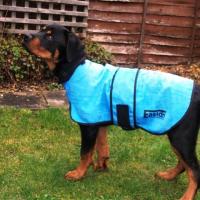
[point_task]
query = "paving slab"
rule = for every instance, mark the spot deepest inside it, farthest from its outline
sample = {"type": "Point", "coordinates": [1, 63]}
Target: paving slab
{"type": "Point", "coordinates": [55, 98]}
{"type": "Point", "coordinates": [22, 100]}
{"type": "Point", "coordinates": [34, 100]}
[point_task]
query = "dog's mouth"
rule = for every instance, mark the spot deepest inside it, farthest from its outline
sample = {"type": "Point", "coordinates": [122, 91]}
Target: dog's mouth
{"type": "Point", "coordinates": [33, 45]}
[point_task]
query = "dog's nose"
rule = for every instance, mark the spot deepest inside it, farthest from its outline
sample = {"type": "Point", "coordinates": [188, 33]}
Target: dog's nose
{"type": "Point", "coordinates": [27, 37]}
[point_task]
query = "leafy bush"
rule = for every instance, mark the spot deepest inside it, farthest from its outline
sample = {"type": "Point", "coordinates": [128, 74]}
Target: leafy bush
{"type": "Point", "coordinates": [97, 53]}
{"type": "Point", "coordinates": [16, 64]}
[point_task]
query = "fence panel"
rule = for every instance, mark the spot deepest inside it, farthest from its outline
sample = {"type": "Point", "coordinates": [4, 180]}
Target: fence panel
{"type": "Point", "coordinates": [31, 15]}
{"type": "Point", "coordinates": [144, 32]}
{"type": "Point", "coordinates": [137, 32]}
{"type": "Point", "coordinates": [117, 26]}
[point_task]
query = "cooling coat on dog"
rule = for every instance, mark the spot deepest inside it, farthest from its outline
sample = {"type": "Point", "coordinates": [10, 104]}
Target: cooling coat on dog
{"type": "Point", "coordinates": [131, 98]}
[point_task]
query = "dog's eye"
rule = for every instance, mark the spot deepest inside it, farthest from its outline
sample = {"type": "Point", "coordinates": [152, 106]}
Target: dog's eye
{"type": "Point", "coordinates": [49, 34]}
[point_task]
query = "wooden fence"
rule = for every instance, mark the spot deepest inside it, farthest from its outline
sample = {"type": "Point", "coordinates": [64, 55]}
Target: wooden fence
{"type": "Point", "coordinates": [140, 32]}
{"type": "Point", "coordinates": [137, 32]}
{"type": "Point", "coordinates": [30, 15]}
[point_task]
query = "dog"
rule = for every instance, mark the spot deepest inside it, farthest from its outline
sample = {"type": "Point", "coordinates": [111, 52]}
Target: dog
{"type": "Point", "coordinates": [64, 54]}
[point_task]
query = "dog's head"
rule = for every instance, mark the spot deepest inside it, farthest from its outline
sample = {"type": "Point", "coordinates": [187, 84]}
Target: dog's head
{"type": "Point", "coordinates": [54, 43]}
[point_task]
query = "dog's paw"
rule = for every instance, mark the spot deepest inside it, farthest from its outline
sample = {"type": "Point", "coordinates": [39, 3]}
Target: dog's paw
{"type": "Point", "coordinates": [74, 175]}
{"type": "Point", "coordinates": [165, 176]}
{"type": "Point", "coordinates": [101, 165]}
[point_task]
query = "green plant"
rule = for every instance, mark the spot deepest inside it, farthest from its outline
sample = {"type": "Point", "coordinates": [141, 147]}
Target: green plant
{"type": "Point", "coordinates": [96, 52]}
{"type": "Point", "coordinates": [54, 86]}
{"type": "Point", "coordinates": [16, 63]}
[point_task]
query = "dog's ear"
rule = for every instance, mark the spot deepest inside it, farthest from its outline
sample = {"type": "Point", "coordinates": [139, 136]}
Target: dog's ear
{"type": "Point", "coordinates": [74, 46]}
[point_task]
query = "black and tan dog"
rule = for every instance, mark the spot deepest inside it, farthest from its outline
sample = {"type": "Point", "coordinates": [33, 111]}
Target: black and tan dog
{"type": "Point", "coordinates": [64, 54]}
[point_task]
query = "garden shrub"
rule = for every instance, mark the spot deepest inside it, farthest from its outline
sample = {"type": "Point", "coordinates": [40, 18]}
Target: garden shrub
{"type": "Point", "coordinates": [97, 53]}
{"type": "Point", "coordinates": [16, 64]}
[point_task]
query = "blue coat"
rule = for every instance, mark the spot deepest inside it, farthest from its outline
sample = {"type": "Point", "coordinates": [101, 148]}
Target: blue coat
{"type": "Point", "coordinates": [131, 98]}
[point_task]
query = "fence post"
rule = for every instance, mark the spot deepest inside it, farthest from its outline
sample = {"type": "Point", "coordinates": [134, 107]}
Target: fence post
{"type": "Point", "coordinates": [86, 10]}
{"type": "Point", "coordinates": [13, 25]}
{"type": "Point", "coordinates": [1, 15]}
{"type": "Point", "coordinates": [50, 7]}
{"type": "Point", "coordinates": [142, 32]}
{"type": "Point", "coordinates": [62, 18]}
{"type": "Point", "coordinates": [39, 5]}
{"type": "Point", "coordinates": [196, 6]}
{"type": "Point", "coordinates": [26, 15]}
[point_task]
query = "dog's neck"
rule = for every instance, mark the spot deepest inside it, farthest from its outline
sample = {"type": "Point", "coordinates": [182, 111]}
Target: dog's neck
{"type": "Point", "coordinates": [65, 69]}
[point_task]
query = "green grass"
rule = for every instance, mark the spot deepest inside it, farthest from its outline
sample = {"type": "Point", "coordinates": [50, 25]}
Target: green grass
{"type": "Point", "coordinates": [38, 147]}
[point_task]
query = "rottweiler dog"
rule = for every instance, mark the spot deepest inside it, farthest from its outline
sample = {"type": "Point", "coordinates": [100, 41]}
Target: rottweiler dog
{"type": "Point", "coordinates": [88, 83]}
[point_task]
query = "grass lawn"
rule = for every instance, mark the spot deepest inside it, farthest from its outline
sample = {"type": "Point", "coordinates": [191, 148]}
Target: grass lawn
{"type": "Point", "coordinates": [38, 147]}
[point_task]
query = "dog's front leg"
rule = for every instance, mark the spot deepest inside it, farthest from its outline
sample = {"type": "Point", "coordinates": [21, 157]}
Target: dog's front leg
{"type": "Point", "coordinates": [102, 149]}
{"type": "Point", "coordinates": [88, 139]}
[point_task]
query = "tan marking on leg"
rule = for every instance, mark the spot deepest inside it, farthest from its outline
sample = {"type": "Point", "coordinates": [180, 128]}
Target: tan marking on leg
{"type": "Point", "coordinates": [81, 170]}
{"type": "Point", "coordinates": [192, 183]}
{"type": "Point", "coordinates": [171, 174]}
{"type": "Point", "coordinates": [102, 149]}
{"type": "Point", "coordinates": [192, 186]}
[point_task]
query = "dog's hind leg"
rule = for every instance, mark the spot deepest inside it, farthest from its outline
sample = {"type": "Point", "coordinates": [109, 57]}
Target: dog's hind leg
{"type": "Point", "coordinates": [102, 149]}
{"type": "Point", "coordinates": [191, 165]}
{"type": "Point", "coordinates": [183, 139]}
{"type": "Point", "coordinates": [88, 140]}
